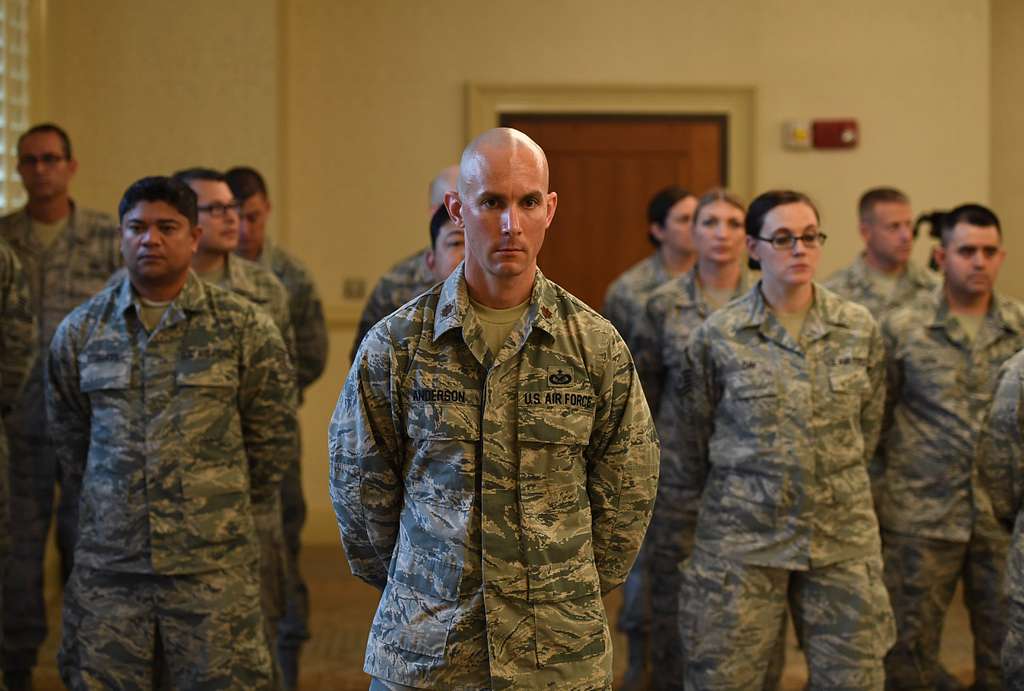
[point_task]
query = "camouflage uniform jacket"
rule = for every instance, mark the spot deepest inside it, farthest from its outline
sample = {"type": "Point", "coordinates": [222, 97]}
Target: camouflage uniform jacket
{"type": "Point", "coordinates": [402, 282]}
{"type": "Point", "coordinates": [172, 438]}
{"type": "Point", "coordinates": [771, 438]}
{"type": "Point", "coordinates": [627, 294]}
{"type": "Point", "coordinates": [940, 387]}
{"type": "Point", "coordinates": [1000, 466]}
{"type": "Point", "coordinates": [305, 310]}
{"type": "Point", "coordinates": [854, 283]}
{"type": "Point", "coordinates": [493, 498]}
{"type": "Point", "coordinates": [672, 312]}
{"type": "Point", "coordinates": [18, 347]}
{"type": "Point", "coordinates": [73, 268]}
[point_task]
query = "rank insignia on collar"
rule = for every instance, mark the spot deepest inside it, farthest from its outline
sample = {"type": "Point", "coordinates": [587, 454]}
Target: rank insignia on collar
{"type": "Point", "coordinates": [546, 312]}
{"type": "Point", "coordinates": [446, 311]}
{"type": "Point", "coordinates": [559, 377]}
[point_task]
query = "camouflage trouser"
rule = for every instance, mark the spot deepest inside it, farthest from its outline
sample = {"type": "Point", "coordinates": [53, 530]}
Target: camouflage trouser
{"type": "Point", "coordinates": [33, 476]}
{"type": "Point", "coordinates": [293, 629]}
{"type": "Point", "coordinates": [145, 631]}
{"type": "Point", "coordinates": [273, 571]}
{"type": "Point", "coordinates": [1013, 647]}
{"type": "Point", "coordinates": [732, 612]}
{"type": "Point", "coordinates": [921, 575]}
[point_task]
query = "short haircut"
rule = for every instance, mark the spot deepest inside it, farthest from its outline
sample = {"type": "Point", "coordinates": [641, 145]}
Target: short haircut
{"type": "Point", "coordinates": [764, 203]}
{"type": "Point", "coordinates": [65, 140]}
{"type": "Point", "coordinates": [974, 214]}
{"type": "Point", "coordinates": [661, 204]}
{"type": "Point", "coordinates": [198, 173]}
{"type": "Point", "coordinates": [159, 188]}
{"type": "Point", "coordinates": [878, 195]}
{"type": "Point", "coordinates": [438, 221]}
{"type": "Point", "coordinates": [717, 194]}
{"type": "Point", "coordinates": [245, 182]}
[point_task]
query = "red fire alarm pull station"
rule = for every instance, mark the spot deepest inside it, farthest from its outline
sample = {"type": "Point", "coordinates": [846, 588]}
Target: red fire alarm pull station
{"type": "Point", "coordinates": [834, 134]}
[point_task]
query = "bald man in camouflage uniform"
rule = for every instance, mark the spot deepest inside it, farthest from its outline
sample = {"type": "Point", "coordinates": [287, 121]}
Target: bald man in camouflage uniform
{"type": "Point", "coordinates": [883, 278]}
{"type": "Point", "coordinates": [943, 357]}
{"type": "Point", "coordinates": [409, 277]}
{"type": "Point", "coordinates": [67, 252]}
{"type": "Point", "coordinates": [1000, 477]}
{"type": "Point", "coordinates": [173, 410]}
{"type": "Point", "coordinates": [493, 482]}
{"type": "Point", "coordinates": [18, 346]}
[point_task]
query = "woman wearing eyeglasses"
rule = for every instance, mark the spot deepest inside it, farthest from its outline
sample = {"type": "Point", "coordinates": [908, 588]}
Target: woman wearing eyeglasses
{"type": "Point", "coordinates": [772, 420]}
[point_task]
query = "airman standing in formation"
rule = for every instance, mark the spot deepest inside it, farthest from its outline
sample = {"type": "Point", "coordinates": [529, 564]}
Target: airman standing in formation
{"type": "Point", "coordinates": [943, 356]}
{"type": "Point", "coordinates": [673, 311]}
{"type": "Point", "coordinates": [670, 218]}
{"type": "Point", "coordinates": [781, 394]}
{"type": "Point", "coordinates": [492, 459]}
{"type": "Point", "coordinates": [306, 314]}
{"type": "Point", "coordinates": [172, 411]}
{"type": "Point", "coordinates": [883, 278]}
{"type": "Point", "coordinates": [67, 253]}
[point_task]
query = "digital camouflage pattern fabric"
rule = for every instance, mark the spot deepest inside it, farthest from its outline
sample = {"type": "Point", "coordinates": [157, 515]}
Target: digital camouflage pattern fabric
{"type": "Point", "coordinates": [19, 343]}
{"type": "Point", "coordinates": [1000, 478]}
{"type": "Point", "coordinates": [61, 276]}
{"type": "Point", "coordinates": [625, 298]}
{"type": "Point", "coordinates": [493, 498]}
{"type": "Point", "coordinates": [176, 437]}
{"type": "Point", "coordinates": [672, 312]}
{"type": "Point", "coordinates": [220, 644]}
{"type": "Point", "coordinates": [401, 283]}
{"type": "Point", "coordinates": [310, 328]}
{"type": "Point", "coordinates": [854, 283]}
{"type": "Point", "coordinates": [940, 388]}
{"type": "Point", "coordinates": [770, 469]}
{"type": "Point", "coordinates": [305, 311]}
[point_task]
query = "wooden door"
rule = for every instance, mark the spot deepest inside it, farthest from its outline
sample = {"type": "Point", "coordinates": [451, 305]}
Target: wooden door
{"type": "Point", "coordinates": [605, 169]}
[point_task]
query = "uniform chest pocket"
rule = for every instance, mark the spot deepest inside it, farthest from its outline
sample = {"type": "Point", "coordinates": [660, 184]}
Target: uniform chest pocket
{"type": "Point", "coordinates": [107, 383]}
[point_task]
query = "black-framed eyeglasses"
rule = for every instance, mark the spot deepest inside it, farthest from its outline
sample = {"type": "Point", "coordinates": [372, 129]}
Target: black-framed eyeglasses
{"type": "Point", "coordinates": [785, 241]}
{"type": "Point", "coordinates": [218, 209]}
{"type": "Point", "coordinates": [48, 160]}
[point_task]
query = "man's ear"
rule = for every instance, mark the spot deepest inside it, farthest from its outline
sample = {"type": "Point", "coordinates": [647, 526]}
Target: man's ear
{"type": "Point", "coordinates": [453, 203]}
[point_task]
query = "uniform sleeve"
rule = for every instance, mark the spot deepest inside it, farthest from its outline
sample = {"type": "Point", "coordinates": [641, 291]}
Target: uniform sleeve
{"type": "Point", "coordinates": [365, 460]}
{"type": "Point", "coordinates": [622, 468]}
{"type": "Point", "coordinates": [1000, 454]}
{"type": "Point", "coordinates": [893, 389]}
{"type": "Point", "coordinates": [645, 345]}
{"type": "Point", "coordinates": [376, 308]}
{"type": "Point", "coordinates": [616, 309]}
{"type": "Point", "coordinates": [267, 404]}
{"type": "Point", "coordinates": [68, 409]}
{"type": "Point", "coordinates": [307, 314]}
{"type": "Point", "coordinates": [873, 407]}
{"type": "Point", "coordinates": [18, 335]}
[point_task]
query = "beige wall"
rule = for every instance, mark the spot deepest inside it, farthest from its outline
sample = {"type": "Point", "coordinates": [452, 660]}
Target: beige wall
{"type": "Point", "coordinates": [350, 107]}
{"type": "Point", "coordinates": [1007, 134]}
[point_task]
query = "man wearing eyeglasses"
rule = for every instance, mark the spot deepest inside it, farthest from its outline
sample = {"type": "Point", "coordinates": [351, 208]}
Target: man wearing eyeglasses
{"type": "Point", "coordinates": [68, 253]}
{"type": "Point", "coordinates": [943, 355]}
{"type": "Point", "coordinates": [883, 278]}
{"type": "Point", "coordinates": [215, 262]}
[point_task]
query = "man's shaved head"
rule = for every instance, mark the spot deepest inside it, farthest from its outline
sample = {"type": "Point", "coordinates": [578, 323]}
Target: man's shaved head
{"type": "Point", "coordinates": [511, 144]}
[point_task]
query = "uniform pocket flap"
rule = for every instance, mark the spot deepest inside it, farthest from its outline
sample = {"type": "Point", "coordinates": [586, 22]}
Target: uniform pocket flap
{"type": "Point", "coordinates": [100, 375]}
{"type": "Point", "coordinates": [206, 373]}
{"type": "Point", "coordinates": [752, 385]}
{"type": "Point", "coordinates": [214, 480]}
{"type": "Point", "coordinates": [849, 380]}
{"type": "Point", "coordinates": [558, 423]}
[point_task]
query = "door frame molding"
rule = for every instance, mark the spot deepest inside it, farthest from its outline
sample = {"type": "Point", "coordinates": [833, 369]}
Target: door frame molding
{"type": "Point", "coordinates": [485, 103]}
